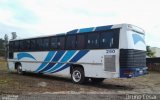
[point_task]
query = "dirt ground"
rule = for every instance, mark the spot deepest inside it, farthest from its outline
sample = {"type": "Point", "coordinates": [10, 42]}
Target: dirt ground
{"type": "Point", "coordinates": [12, 83]}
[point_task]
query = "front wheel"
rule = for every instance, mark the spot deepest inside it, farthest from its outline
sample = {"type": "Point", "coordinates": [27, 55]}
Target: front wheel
{"type": "Point", "coordinates": [19, 69]}
{"type": "Point", "coordinates": [78, 75]}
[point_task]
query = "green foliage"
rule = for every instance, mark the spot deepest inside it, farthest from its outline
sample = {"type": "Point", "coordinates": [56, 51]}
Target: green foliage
{"type": "Point", "coordinates": [150, 53]}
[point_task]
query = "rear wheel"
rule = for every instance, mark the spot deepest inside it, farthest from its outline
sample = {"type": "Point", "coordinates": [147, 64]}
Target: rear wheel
{"type": "Point", "coordinates": [19, 69]}
{"type": "Point", "coordinates": [97, 80]}
{"type": "Point", "coordinates": [78, 75]}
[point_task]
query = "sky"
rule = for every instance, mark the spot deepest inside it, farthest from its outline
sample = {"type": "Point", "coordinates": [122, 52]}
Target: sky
{"type": "Point", "coordinates": [29, 18]}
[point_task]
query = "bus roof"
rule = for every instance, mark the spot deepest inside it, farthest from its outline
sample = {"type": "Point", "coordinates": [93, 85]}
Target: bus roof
{"type": "Point", "coordinates": [91, 29]}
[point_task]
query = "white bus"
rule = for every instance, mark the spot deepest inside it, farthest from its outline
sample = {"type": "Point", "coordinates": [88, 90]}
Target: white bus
{"type": "Point", "coordinates": [96, 53]}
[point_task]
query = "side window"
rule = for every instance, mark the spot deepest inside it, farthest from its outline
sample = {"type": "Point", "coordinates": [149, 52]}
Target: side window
{"type": "Point", "coordinates": [81, 41]}
{"type": "Point", "coordinates": [71, 42]}
{"type": "Point", "coordinates": [11, 45]}
{"type": "Point", "coordinates": [16, 47]}
{"type": "Point", "coordinates": [93, 41]}
{"type": "Point", "coordinates": [53, 43]}
{"type": "Point", "coordinates": [27, 45]}
{"type": "Point", "coordinates": [33, 45]}
{"type": "Point", "coordinates": [109, 39]}
{"type": "Point", "coordinates": [21, 45]}
{"type": "Point", "coordinates": [61, 43]}
{"type": "Point", "coordinates": [39, 44]}
{"type": "Point", "coordinates": [46, 44]}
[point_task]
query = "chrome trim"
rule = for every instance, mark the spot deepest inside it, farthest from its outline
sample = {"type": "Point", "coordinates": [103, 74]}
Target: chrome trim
{"type": "Point", "coordinates": [58, 62]}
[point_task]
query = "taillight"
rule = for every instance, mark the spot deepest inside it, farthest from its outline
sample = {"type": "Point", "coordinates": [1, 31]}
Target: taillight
{"type": "Point", "coordinates": [128, 72]}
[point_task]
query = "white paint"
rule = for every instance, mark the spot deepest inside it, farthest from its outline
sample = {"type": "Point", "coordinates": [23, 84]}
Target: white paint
{"type": "Point", "coordinates": [93, 61]}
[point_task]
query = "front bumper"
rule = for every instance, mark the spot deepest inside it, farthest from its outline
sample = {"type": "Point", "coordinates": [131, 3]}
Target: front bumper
{"type": "Point", "coordinates": [128, 72]}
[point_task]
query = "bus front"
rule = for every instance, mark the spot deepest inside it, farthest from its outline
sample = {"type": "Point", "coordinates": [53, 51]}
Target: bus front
{"type": "Point", "coordinates": [132, 52]}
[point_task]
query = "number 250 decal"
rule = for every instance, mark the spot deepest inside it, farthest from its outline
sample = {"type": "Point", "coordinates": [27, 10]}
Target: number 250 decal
{"type": "Point", "coordinates": [110, 51]}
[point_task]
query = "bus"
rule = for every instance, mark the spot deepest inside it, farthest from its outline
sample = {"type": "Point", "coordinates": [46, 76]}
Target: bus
{"type": "Point", "coordinates": [87, 54]}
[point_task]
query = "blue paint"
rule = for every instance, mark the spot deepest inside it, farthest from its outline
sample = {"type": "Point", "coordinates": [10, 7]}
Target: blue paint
{"type": "Point", "coordinates": [67, 56]}
{"type": "Point", "coordinates": [135, 71]}
{"type": "Point", "coordinates": [24, 55]}
{"type": "Point", "coordinates": [91, 29]}
{"type": "Point", "coordinates": [86, 30]}
{"type": "Point", "coordinates": [48, 58]}
{"type": "Point", "coordinates": [77, 57]}
{"type": "Point", "coordinates": [72, 32]}
{"type": "Point", "coordinates": [137, 38]}
{"type": "Point", "coordinates": [55, 59]}
{"type": "Point", "coordinates": [103, 28]}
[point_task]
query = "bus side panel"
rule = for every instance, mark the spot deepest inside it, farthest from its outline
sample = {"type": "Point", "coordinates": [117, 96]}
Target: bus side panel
{"type": "Point", "coordinates": [30, 61]}
{"type": "Point", "coordinates": [92, 61]}
{"type": "Point", "coordinates": [65, 72]}
{"type": "Point", "coordinates": [95, 67]}
{"type": "Point", "coordinates": [97, 71]}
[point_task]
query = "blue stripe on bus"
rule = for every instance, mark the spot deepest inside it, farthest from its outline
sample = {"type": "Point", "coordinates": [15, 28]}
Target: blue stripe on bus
{"type": "Point", "coordinates": [72, 32]}
{"type": "Point", "coordinates": [55, 59]}
{"type": "Point", "coordinates": [86, 30]}
{"type": "Point", "coordinates": [48, 58]}
{"type": "Point", "coordinates": [103, 28]}
{"type": "Point", "coordinates": [77, 57]}
{"type": "Point", "coordinates": [24, 55]}
{"type": "Point", "coordinates": [137, 38]}
{"type": "Point", "coordinates": [67, 56]}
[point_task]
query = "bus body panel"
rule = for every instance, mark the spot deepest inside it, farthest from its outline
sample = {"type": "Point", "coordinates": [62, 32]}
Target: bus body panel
{"type": "Point", "coordinates": [93, 62]}
{"type": "Point", "coordinates": [98, 63]}
{"type": "Point", "coordinates": [136, 41]}
{"type": "Point", "coordinates": [132, 39]}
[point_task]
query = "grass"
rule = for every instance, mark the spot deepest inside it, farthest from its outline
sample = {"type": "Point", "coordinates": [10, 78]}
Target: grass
{"type": "Point", "coordinates": [11, 83]}
{"type": "Point", "coordinates": [3, 65]}
{"type": "Point", "coordinates": [6, 79]}
{"type": "Point", "coordinates": [3, 69]}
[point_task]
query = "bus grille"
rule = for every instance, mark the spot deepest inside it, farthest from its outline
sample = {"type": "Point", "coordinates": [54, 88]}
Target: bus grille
{"type": "Point", "coordinates": [132, 58]}
{"type": "Point", "coordinates": [109, 63]}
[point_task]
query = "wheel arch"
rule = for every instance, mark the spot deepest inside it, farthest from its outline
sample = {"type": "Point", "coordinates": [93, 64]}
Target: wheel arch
{"type": "Point", "coordinates": [16, 65]}
{"type": "Point", "coordinates": [72, 66]}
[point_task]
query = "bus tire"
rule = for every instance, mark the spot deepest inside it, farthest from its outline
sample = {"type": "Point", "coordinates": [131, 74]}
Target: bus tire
{"type": "Point", "coordinates": [97, 80]}
{"type": "Point", "coordinates": [19, 69]}
{"type": "Point", "coordinates": [78, 76]}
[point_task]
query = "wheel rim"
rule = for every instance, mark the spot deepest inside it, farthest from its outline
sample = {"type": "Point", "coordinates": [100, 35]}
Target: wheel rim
{"type": "Point", "coordinates": [19, 69]}
{"type": "Point", "coordinates": [76, 76]}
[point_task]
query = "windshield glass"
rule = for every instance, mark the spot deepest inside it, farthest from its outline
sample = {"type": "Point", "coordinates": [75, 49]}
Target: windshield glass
{"type": "Point", "coordinates": [137, 37]}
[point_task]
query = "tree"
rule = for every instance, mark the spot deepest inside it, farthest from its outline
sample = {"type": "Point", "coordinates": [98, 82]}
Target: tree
{"type": "Point", "coordinates": [150, 53]}
{"type": "Point", "coordinates": [14, 35]}
{"type": "Point", "coordinates": [6, 38]}
{"type": "Point", "coordinates": [6, 45]}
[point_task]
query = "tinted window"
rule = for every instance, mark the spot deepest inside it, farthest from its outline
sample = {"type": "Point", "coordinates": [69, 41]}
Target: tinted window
{"type": "Point", "coordinates": [93, 41]}
{"type": "Point", "coordinates": [109, 39]}
{"type": "Point", "coordinates": [11, 45]}
{"type": "Point", "coordinates": [33, 44]}
{"type": "Point", "coordinates": [16, 47]}
{"type": "Point", "coordinates": [27, 43]}
{"type": "Point", "coordinates": [71, 42]}
{"type": "Point", "coordinates": [39, 44]}
{"type": "Point", "coordinates": [80, 41]}
{"type": "Point", "coordinates": [53, 43]}
{"type": "Point", "coordinates": [21, 47]}
{"type": "Point", "coordinates": [61, 43]}
{"type": "Point", "coordinates": [46, 44]}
